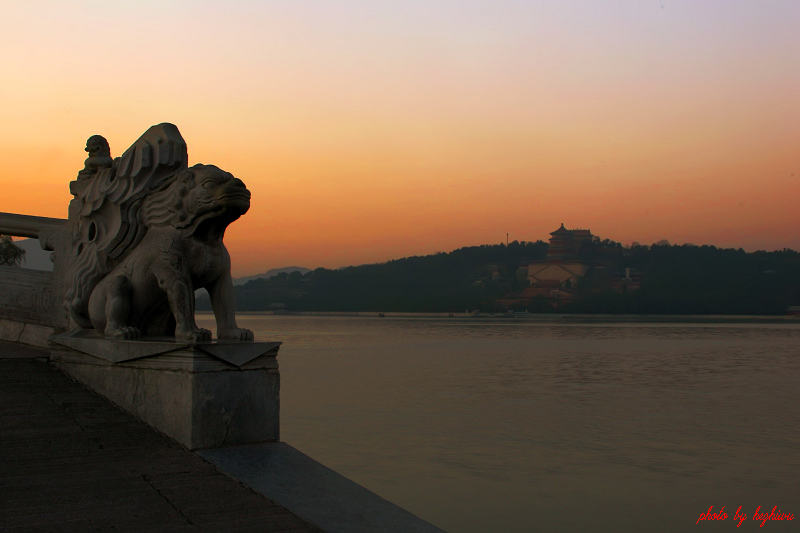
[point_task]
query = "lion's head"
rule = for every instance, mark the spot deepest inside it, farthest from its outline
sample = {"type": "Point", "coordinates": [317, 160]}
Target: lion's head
{"type": "Point", "coordinates": [196, 195]}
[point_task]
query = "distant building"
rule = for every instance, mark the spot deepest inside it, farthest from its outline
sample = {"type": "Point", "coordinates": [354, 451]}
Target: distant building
{"type": "Point", "coordinates": [562, 273]}
{"type": "Point", "coordinates": [563, 266]}
{"type": "Point", "coordinates": [566, 243]}
{"type": "Point", "coordinates": [629, 282]}
{"type": "Point", "coordinates": [553, 294]}
{"type": "Point", "coordinates": [556, 277]}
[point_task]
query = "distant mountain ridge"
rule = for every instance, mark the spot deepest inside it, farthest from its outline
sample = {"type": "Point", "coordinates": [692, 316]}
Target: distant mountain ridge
{"type": "Point", "coordinates": [270, 273]}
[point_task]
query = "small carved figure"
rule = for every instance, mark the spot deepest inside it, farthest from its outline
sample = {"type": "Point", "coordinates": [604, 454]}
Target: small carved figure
{"type": "Point", "coordinates": [146, 233]}
{"type": "Point", "coordinates": [99, 157]}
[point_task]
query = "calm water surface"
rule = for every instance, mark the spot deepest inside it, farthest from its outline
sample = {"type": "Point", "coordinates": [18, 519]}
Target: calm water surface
{"type": "Point", "coordinates": [484, 425]}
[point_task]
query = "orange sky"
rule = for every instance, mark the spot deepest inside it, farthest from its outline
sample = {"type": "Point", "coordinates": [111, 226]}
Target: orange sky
{"type": "Point", "coordinates": [370, 131]}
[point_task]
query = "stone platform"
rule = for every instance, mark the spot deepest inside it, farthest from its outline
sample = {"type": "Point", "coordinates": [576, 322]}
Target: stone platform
{"type": "Point", "coordinates": [203, 395]}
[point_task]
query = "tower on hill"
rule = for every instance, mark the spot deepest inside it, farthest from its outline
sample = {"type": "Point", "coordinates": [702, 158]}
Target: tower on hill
{"type": "Point", "coordinates": [556, 277]}
{"type": "Point", "coordinates": [566, 243]}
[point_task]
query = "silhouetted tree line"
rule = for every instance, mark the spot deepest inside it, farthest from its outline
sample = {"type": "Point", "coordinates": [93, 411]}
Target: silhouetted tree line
{"type": "Point", "coordinates": [465, 279]}
{"type": "Point", "coordinates": [691, 279]}
{"type": "Point", "coordinates": [683, 279]}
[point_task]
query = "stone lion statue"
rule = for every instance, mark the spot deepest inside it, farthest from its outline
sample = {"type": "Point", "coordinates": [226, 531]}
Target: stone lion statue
{"type": "Point", "coordinates": [146, 233]}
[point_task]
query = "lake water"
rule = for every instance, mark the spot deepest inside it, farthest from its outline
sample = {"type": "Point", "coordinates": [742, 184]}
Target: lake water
{"type": "Point", "coordinates": [503, 425]}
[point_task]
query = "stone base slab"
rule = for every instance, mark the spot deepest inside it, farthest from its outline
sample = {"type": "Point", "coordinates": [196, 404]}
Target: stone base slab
{"type": "Point", "coordinates": [190, 392]}
{"type": "Point", "coordinates": [309, 489]}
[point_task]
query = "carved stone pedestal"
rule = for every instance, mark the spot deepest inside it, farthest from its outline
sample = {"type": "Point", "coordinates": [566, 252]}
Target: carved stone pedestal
{"type": "Point", "coordinates": [204, 395]}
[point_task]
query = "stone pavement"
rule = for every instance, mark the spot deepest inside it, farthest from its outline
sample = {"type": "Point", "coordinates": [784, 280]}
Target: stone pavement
{"type": "Point", "coordinates": [72, 461]}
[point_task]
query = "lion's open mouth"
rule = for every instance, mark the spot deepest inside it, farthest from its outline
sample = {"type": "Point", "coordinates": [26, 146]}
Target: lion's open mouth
{"type": "Point", "coordinates": [243, 195]}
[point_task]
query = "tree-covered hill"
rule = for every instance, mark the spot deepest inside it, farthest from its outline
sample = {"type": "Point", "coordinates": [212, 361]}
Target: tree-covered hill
{"type": "Point", "coordinates": [467, 278]}
{"type": "Point", "coordinates": [684, 279]}
{"type": "Point", "coordinates": [709, 280]}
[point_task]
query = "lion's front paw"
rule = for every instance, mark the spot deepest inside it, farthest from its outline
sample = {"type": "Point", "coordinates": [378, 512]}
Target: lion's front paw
{"type": "Point", "coordinates": [122, 332]}
{"type": "Point", "coordinates": [236, 334]}
{"type": "Point", "coordinates": [198, 334]}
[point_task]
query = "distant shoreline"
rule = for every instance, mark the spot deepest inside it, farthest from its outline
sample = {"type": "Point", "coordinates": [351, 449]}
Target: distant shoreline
{"type": "Point", "coordinates": [546, 317]}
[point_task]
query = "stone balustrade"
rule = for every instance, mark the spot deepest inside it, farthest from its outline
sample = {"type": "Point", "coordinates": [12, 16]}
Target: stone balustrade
{"type": "Point", "coordinates": [30, 300]}
{"type": "Point", "coordinates": [27, 225]}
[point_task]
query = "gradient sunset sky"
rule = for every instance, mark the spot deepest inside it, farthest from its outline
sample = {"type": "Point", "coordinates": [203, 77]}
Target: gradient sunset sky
{"type": "Point", "coordinates": [370, 130]}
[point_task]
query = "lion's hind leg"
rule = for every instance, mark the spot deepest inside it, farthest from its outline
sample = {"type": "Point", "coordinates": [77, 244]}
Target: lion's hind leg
{"type": "Point", "coordinates": [109, 307]}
